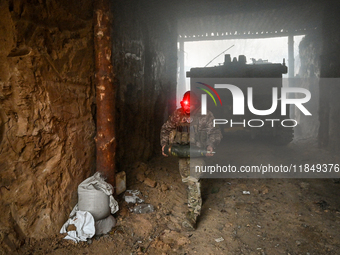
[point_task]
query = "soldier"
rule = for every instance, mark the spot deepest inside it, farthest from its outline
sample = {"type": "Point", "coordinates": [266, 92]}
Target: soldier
{"type": "Point", "coordinates": [187, 125]}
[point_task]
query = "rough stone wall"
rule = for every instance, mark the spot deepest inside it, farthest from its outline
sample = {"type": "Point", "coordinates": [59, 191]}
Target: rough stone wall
{"type": "Point", "coordinates": [310, 51]}
{"type": "Point", "coordinates": [145, 60]}
{"type": "Point", "coordinates": [47, 103]}
{"type": "Point", "coordinates": [309, 78]}
{"type": "Point", "coordinates": [319, 54]}
{"type": "Point", "coordinates": [329, 135]}
{"type": "Point", "coordinates": [46, 124]}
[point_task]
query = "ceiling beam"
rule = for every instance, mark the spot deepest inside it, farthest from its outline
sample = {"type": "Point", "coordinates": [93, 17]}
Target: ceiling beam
{"type": "Point", "coordinates": [238, 36]}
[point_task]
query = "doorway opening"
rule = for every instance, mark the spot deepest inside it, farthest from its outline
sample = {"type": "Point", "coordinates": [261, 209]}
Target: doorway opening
{"type": "Point", "coordinates": [208, 53]}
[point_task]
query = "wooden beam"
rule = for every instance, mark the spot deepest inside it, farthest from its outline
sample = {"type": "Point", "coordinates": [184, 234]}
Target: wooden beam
{"type": "Point", "coordinates": [200, 8]}
{"type": "Point", "coordinates": [105, 92]}
{"type": "Point", "coordinates": [181, 87]}
{"type": "Point", "coordinates": [291, 60]}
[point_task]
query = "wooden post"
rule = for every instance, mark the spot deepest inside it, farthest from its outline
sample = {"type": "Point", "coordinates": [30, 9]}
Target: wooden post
{"type": "Point", "coordinates": [105, 92]}
{"type": "Point", "coordinates": [181, 86]}
{"type": "Point", "coordinates": [291, 61]}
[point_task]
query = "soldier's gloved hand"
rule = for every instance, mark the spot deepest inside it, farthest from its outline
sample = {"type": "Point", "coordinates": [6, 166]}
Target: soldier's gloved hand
{"type": "Point", "coordinates": [209, 151]}
{"type": "Point", "coordinates": [163, 151]}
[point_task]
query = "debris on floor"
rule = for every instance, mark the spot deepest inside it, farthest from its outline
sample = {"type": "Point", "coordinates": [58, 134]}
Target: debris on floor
{"type": "Point", "coordinates": [133, 196]}
{"type": "Point", "coordinates": [143, 208]}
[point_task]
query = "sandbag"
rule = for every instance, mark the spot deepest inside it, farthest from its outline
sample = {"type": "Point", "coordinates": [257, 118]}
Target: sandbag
{"type": "Point", "coordinates": [95, 196]}
{"type": "Point", "coordinates": [94, 201]}
{"type": "Point", "coordinates": [104, 226]}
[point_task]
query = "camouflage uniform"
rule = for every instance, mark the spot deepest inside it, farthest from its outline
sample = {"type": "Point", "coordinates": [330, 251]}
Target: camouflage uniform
{"type": "Point", "coordinates": [196, 129]}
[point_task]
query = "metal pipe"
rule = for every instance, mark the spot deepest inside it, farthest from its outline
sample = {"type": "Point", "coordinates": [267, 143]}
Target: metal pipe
{"type": "Point", "coordinates": [105, 92]}
{"type": "Point", "coordinates": [184, 151]}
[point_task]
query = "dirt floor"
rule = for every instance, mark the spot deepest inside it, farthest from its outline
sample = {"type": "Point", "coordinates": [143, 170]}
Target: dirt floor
{"type": "Point", "coordinates": [279, 216]}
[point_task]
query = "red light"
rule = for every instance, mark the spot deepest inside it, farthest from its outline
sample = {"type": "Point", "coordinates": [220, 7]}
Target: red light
{"type": "Point", "coordinates": [186, 102]}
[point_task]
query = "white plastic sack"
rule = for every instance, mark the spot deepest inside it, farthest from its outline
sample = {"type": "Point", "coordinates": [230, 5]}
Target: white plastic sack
{"type": "Point", "coordinates": [85, 227]}
{"type": "Point", "coordinates": [95, 196]}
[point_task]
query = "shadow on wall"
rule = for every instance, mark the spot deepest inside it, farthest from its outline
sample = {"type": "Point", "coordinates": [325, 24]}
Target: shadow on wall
{"type": "Point", "coordinates": [144, 62]}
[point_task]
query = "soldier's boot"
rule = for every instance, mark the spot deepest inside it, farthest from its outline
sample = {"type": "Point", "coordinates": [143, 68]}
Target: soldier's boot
{"type": "Point", "coordinates": [189, 222]}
